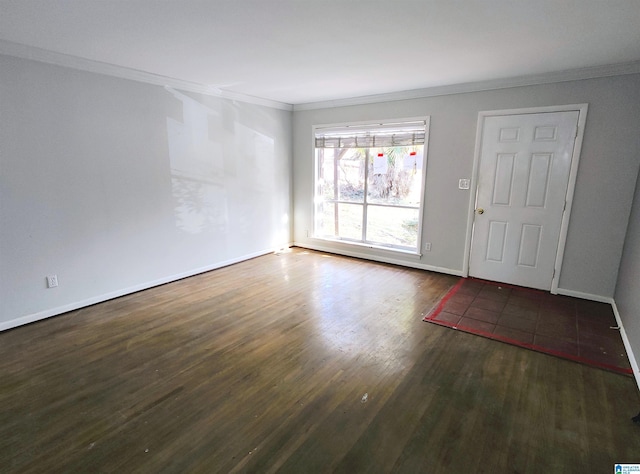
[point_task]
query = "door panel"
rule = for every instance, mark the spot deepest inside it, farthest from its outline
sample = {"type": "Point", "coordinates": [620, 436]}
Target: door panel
{"type": "Point", "coordinates": [529, 245]}
{"type": "Point", "coordinates": [503, 179]}
{"type": "Point", "coordinates": [496, 241]}
{"type": "Point", "coordinates": [525, 161]}
{"type": "Point", "coordinates": [537, 189]}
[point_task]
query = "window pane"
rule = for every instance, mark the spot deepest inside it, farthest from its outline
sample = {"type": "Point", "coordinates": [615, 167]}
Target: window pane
{"type": "Point", "coordinates": [374, 170]}
{"type": "Point", "coordinates": [392, 225]}
{"type": "Point", "coordinates": [325, 220]}
{"type": "Point", "coordinates": [326, 183]}
{"type": "Point", "coordinates": [350, 221]}
{"type": "Point", "coordinates": [350, 173]}
{"type": "Point", "coordinates": [395, 175]}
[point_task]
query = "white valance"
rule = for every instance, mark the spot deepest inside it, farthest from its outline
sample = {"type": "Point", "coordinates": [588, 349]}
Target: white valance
{"type": "Point", "coordinates": [372, 136]}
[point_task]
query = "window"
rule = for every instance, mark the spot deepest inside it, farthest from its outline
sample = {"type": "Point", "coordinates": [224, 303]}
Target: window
{"type": "Point", "coordinates": [370, 183]}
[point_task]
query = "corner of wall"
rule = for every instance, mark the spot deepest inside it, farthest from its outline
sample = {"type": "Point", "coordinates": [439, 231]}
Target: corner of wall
{"type": "Point", "coordinates": [627, 344]}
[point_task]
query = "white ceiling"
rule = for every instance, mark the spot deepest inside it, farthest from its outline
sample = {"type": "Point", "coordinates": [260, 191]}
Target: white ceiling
{"type": "Point", "coordinates": [299, 51]}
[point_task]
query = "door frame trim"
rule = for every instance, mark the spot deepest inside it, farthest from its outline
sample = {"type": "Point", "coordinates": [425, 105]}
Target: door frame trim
{"type": "Point", "coordinates": [573, 173]}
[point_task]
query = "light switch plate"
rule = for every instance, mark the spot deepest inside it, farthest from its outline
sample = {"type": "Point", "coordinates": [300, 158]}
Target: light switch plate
{"type": "Point", "coordinates": [464, 183]}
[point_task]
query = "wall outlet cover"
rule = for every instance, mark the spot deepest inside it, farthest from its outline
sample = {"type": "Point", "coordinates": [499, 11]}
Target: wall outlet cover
{"type": "Point", "coordinates": [52, 281]}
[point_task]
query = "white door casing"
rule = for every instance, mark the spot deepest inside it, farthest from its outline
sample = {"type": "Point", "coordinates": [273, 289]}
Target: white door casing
{"type": "Point", "coordinates": [524, 175]}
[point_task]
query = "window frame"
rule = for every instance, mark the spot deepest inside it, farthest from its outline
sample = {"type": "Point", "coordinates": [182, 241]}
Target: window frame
{"type": "Point", "coordinates": [417, 251]}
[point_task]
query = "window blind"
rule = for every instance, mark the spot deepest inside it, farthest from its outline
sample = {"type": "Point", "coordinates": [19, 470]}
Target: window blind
{"type": "Point", "coordinates": [372, 136]}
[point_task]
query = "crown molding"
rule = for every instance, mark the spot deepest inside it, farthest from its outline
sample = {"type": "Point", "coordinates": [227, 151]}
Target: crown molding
{"type": "Point", "coordinates": [65, 60]}
{"type": "Point", "coordinates": [18, 50]}
{"type": "Point", "coordinates": [493, 84]}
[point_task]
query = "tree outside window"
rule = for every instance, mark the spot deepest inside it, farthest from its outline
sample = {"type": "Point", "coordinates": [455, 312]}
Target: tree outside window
{"type": "Point", "coordinates": [370, 184]}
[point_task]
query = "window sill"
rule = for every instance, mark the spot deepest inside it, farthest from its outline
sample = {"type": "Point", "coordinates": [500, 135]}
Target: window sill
{"type": "Point", "coordinates": [391, 250]}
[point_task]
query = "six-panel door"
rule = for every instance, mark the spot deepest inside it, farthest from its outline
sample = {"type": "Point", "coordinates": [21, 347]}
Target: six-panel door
{"type": "Point", "coordinates": [525, 161]}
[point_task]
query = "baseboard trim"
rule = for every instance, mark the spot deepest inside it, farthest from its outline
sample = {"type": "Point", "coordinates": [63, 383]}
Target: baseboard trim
{"type": "Point", "coordinates": [32, 318]}
{"type": "Point", "coordinates": [627, 345]}
{"type": "Point", "coordinates": [625, 339]}
{"type": "Point", "coordinates": [379, 258]}
{"type": "Point", "coordinates": [585, 296]}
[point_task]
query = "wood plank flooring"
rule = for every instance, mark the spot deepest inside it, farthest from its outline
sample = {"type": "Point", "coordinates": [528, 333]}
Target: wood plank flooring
{"type": "Point", "coordinates": [299, 362]}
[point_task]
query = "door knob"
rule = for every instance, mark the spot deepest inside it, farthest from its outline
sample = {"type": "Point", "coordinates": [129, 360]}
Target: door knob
{"type": "Point", "coordinates": [480, 210]}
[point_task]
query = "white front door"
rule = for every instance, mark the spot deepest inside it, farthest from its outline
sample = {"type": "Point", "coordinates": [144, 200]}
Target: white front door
{"type": "Point", "coordinates": [525, 162]}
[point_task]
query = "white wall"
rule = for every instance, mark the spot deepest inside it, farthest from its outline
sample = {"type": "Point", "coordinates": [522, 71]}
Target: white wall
{"type": "Point", "coordinates": [116, 185]}
{"type": "Point", "coordinates": [604, 190]}
{"type": "Point", "coordinates": [627, 297]}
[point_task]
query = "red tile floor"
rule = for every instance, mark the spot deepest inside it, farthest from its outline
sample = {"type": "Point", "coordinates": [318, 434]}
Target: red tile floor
{"type": "Point", "coordinates": [580, 330]}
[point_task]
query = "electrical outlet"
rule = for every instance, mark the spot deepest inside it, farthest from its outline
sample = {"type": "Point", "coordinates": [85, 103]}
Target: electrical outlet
{"type": "Point", "coordinates": [427, 247]}
{"type": "Point", "coordinates": [52, 281]}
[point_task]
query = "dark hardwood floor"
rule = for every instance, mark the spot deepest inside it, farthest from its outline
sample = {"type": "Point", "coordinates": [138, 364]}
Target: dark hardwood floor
{"type": "Point", "coordinates": [299, 362]}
